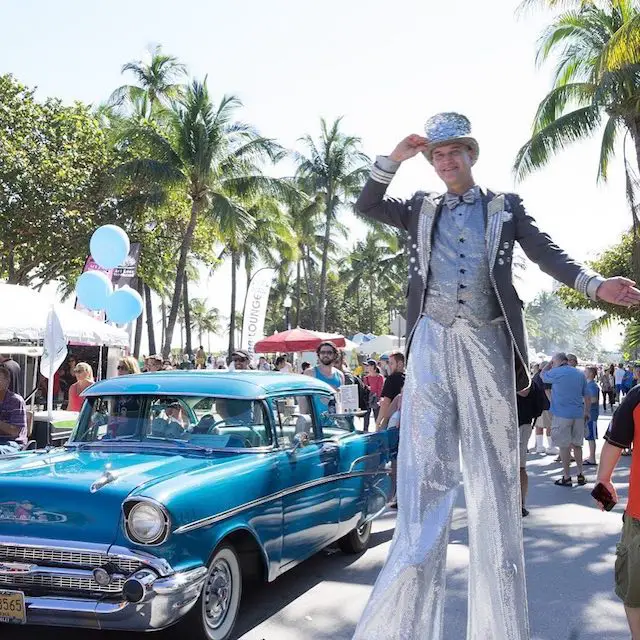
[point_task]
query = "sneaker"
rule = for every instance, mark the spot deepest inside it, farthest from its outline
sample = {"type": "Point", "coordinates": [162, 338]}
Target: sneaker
{"type": "Point", "coordinates": [525, 512]}
{"type": "Point", "coordinates": [553, 451]}
{"type": "Point", "coordinates": [541, 450]}
{"type": "Point", "coordinates": [564, 482]}
{"type": "Point", "coordinates": [581, 479]}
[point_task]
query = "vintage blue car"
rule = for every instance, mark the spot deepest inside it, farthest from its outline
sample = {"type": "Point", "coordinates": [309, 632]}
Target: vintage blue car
{"type": "Point", "coordinates": [174, 490]}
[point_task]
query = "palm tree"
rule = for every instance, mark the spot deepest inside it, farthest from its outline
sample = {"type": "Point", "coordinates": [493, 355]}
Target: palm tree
{"type": "Point", "coordinates": [335, 168]}
{"type": "Point", "coordinates": [216, 161]}
{"type": "Point", "coordinates": [597, 81]}
{"type": "Point", "coordinates": [204, 319]}
{"type": "Point", "coordinates": [371, 265]}
{"type": "Point", "coordinates": [157, 82]}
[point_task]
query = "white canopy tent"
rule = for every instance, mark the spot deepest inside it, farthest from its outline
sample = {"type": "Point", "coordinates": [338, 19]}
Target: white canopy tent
{"type": "Point", "coordinates": [382, 344]}
{"type": "Point", "coordinates": [23, 316]}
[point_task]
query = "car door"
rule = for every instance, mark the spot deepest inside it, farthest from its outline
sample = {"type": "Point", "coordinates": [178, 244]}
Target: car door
{"type": "Point", "coordinates": [364, 465]}
{"type": "Point", "coordinates": [308, 470]}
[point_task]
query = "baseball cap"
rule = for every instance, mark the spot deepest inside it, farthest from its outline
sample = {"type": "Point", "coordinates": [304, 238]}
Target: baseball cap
{"type": "Point", "coordinates": [241, 353]}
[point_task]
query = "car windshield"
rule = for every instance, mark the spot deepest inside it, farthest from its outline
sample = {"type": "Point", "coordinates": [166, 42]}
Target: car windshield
{"type": "Point", "coordinates": [209, 422]}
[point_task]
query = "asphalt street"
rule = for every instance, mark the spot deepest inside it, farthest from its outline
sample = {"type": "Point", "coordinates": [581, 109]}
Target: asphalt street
{"type": "Point", "coordinates": [569, 548]}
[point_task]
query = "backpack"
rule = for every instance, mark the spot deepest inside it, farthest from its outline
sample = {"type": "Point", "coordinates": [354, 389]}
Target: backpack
{"type": "Point", "coordinates": [538, 398]}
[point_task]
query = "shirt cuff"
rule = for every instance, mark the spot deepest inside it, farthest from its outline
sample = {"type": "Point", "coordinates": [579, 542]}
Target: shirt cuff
{"type": "Point", "coordinates": [384, 169]}
{"type": "Point", "coordinates": [587, 283]}
{"type": "Point", "coordinates": [593, 286]}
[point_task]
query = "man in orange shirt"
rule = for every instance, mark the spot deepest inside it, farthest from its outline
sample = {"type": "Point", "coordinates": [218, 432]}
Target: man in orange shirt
{"type": "Point", "coordinates": [623, 431]}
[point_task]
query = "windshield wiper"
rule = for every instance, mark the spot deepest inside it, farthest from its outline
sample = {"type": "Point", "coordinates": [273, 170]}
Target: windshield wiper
{"type": "Point", "coordinates": [185, 444]}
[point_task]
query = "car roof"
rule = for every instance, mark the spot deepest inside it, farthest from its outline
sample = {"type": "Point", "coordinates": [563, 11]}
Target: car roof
{"type": "Point", "coordinates": [231, 384]}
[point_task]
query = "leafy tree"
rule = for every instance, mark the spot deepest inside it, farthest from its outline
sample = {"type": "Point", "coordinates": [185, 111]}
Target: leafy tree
{"type": "Point", "coordinates": [335, 168]}
{"type": "Point", "coordinates": [53, 160]}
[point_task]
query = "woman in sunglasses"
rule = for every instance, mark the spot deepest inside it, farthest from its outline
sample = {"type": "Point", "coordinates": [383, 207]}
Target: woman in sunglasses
{"type": "Point", "coordinates": [84, 379]}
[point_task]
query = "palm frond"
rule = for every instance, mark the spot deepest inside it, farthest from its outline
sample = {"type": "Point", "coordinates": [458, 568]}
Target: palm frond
{"type": "Point", "coordinates": [624, 46]}
{"type": "Point", "coordinates": [600, 324]}
{"type": "Point", "coordinates": [607, 147]}
{"type": "Point", "coordinates": [573, 126]}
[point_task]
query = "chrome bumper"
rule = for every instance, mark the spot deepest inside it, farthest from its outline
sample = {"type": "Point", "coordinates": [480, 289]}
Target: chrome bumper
{"type": "Point", "coordinates": [165, 601]}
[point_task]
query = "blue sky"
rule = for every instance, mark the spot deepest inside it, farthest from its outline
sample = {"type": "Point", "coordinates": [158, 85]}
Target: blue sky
{"type": "Point", "coordinates": [384, 66]}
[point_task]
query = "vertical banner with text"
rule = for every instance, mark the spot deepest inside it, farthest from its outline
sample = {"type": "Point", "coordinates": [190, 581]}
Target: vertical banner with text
{"type": "Point", "coordinates": [255, 308]}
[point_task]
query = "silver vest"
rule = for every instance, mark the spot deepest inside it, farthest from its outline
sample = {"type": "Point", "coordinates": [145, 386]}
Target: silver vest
{"type": "Point", "coordinates": [458, 284]}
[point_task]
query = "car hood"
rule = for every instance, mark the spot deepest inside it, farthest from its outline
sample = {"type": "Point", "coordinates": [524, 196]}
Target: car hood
{"type": "Point", "coordinates": [77, 494]}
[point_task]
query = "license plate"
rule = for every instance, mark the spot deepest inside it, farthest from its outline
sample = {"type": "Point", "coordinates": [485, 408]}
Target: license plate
{"type": "Point", "coordinates": [12, 607]}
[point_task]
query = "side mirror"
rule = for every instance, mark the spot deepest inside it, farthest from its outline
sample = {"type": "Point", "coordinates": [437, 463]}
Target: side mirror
{"type": "Point", "coordinates": [300, 440]}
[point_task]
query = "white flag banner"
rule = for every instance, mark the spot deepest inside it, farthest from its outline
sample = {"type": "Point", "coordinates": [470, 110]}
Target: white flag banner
{"type": "Point", "coordinates": [53, 354]}
{"type": "Point", "coordinates": [55, 346]}
{"type": "Point", "coordinates": [255, 308]}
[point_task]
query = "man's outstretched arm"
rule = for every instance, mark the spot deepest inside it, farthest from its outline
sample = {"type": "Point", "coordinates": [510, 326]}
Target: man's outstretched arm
{"type": "Point", "coordinates": [541, 249]}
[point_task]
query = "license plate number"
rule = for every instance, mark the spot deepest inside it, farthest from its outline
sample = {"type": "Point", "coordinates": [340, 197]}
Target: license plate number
{"type": "Point", "coordinates": [12, 607]}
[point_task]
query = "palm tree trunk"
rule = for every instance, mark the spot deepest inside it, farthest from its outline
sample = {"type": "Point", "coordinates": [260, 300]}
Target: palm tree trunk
{"type": "Point", "coordinates": [358, 305]}
{"type": "Point", "coordinates": [325, 262]}
{"type": "Point", "coordinates": [298, 293]}
{"type": "Point", "coordinates": [182, 263]}
{"type": "Point", "coordinates": [370, 306]}
{"type": "Point", "coordinates": [151, 332]}
{"type": "Point", "coordinates": [310, 303]}
{"type": "Point", "coordinates": [232, 313]}
{"type": "Point", "coordinates": [163, 313]}
{"type": "Point", "coordinates": [138, 335]}
{"type": "Point", "coordinates": [187, 313]}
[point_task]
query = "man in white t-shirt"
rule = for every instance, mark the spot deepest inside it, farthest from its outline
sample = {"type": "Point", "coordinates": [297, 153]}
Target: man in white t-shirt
{"type": "Point", "coordinates": [618, 374]}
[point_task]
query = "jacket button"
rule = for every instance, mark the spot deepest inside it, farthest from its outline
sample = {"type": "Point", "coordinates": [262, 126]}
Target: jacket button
{"type": "Point", "coordinates": [462, 255]}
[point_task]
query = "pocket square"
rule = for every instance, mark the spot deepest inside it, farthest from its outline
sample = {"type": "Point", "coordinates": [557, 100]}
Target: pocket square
{"type": "Point", "coordinates": [506, 216]}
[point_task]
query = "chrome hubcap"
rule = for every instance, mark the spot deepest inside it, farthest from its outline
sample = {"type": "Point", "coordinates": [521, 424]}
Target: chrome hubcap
{"type": "Point", "coordinates": [217, 593]}
{"type": "Point", "coordinates": [363, 530]}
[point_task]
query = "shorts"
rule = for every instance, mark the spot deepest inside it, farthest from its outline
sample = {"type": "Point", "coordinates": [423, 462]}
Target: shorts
{"type": "Point", "coordinates": [627, 567]}
{"type": "Point", "coordinates": [525, 434]}
{"type": "Point", "coordinates": [546, 420]}
{"type": "Point", "coordinates": [567, 431]}
{"type": "Point", "coordinates": [591, 430]}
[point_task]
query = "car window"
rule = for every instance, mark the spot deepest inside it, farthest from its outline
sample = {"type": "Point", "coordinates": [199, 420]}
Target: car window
{"type": "Point", "coordinates": [210, 421]}
{"type": "Point", "coordinates": [331, 425]}
{"type": "Point", "coordinates": [293, 415]}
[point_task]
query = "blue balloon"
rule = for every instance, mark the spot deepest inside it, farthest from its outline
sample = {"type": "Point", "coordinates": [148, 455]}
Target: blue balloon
{"type": "Point", "coordinates": [93, 289]}
{"type": "Point", "coordinates": [124, 305]}
{"type": "Point", "coordinates": [109, 246]}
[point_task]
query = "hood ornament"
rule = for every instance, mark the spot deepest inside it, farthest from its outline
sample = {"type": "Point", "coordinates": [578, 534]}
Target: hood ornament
{"type": "Point", "coordinates": [106, 478]}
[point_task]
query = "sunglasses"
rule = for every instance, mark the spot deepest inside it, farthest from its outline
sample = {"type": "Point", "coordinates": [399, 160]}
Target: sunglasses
{"type": "Point", "coordinates": [238, 359]}
{"type": "Point", "coordinates": [328, 353]}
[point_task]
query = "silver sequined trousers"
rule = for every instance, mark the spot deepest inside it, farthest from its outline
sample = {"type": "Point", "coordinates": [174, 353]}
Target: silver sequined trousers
{"type": "Point", "coordinates": [459, 396]}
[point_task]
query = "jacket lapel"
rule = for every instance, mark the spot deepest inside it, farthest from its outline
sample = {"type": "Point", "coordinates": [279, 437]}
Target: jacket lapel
{"type": "Point", "coordinates": [494, 207]}
{"type": "Point", "coordinates": [427, 217]}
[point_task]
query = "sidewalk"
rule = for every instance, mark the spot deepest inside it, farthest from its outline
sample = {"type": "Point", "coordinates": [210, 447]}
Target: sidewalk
{"type": "Point", "coordinates": [569, 550]}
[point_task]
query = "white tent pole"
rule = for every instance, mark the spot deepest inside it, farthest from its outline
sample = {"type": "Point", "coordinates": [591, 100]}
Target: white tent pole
{"type": "Point", "coordinates": [99, 372]}
{"type": "Point", "coordinates": [51, 374]}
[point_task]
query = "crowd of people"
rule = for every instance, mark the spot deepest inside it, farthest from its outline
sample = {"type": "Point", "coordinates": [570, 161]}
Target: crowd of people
{"type": "Point", "coordinates": [563, 405]}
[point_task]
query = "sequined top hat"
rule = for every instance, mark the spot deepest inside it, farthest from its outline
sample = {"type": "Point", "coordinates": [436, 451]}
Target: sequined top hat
{"type": "Point", "coordinates": [445, 128]}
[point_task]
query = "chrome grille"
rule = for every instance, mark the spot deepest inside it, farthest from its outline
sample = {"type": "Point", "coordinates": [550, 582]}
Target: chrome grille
{"type": "Point", "coordinates": [66, 583]}
{"type": "Point", "coordinates": [61, 557]}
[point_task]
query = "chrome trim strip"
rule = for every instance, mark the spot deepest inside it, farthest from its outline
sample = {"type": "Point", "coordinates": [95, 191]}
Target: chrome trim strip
{"type": "Point", "coordinates": [160, 565]}
{"type": "Point", "coordinates": [209, 520]}
{"type": "Point", "coordinates": [37, 570]}
{"type": "Point", "coordinates": [362, 458]}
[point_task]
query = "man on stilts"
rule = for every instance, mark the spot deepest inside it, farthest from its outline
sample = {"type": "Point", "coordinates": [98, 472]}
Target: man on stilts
{"type": "Point", "coordinates": [464, 315]}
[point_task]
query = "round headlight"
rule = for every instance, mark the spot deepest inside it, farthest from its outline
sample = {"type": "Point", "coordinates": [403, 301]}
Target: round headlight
{"type": "Point", "coordinates": [146, 523]}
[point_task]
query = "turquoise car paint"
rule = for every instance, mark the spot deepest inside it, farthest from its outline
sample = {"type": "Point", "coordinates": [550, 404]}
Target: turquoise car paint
{"type": "Point", "coordinates": [290, 500]}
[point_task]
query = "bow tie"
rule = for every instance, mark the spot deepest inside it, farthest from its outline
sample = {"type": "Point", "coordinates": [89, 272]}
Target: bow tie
{"type": "Point", "coordinates": [452, 200]}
